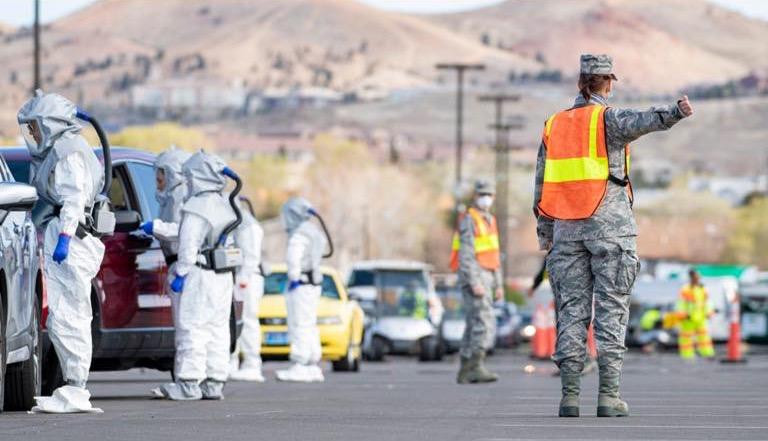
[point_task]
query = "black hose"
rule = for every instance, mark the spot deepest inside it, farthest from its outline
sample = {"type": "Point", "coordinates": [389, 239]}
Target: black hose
{"type": "Point", "coordinates": [325, 230]}
{"type": "Point", "coordinates": [107, 153]}
{"type": "Point", "coordinates": [232, 197]}
{"type": "Point", "coordinates": [248, 204]}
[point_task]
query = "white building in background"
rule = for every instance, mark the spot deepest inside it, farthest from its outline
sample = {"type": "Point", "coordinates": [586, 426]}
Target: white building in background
{"type": "Point", "coordinates": [734, 189]}
{"type": "Point", "coordinates": [185, 96]}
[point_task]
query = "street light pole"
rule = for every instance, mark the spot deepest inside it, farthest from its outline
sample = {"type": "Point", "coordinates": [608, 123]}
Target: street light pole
{"type": "Point", "coordinates": [502, 149]}
{"type": "Point", "coordinates": [460, 68]}
{"type": "Point", "coordinates": [36, 80]}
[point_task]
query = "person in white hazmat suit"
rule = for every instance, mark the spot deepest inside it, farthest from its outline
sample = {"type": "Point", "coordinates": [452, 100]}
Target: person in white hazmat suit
{"type": "Point", "coordinates": [171, 192]}
{"type": "Point", "coordinates": [69, 176]}
{"type": "Point", "coordinates": [249, 288]}
{"type": "Point", "coordinates": [204, 297]}
{"type": "Point", "coordinates": [306, 245]}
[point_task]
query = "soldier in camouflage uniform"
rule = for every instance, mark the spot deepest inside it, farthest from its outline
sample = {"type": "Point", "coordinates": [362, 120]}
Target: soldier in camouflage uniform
{"type": "Point", "coordinates": [480, 284]}
{"type": "Point", "coordinates": [597, 256]}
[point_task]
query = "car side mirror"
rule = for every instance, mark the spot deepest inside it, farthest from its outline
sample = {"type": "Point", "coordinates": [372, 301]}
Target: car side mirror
{"type": "Point", "coordinates": [127, 221]}
{"type": "Point", "coordinates": [15, 196]}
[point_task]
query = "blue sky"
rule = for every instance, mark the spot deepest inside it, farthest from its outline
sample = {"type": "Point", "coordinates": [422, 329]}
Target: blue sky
{"type": "Point", "coordinates": [19, 12]}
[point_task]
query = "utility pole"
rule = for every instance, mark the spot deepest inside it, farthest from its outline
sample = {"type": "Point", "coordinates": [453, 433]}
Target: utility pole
{"type": "Point", "coordinates": [502, 149]}
{"type": "Point", "coordinates": [460, 68]}
{"type": "Point", "coordinates": [36, 81]}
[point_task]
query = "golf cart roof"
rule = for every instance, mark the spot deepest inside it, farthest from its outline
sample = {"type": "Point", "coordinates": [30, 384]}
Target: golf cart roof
{"type": "Point", "coordinates": [391, 265]}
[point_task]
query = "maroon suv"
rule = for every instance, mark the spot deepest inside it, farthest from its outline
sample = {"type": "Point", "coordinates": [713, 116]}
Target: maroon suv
{"type": "Point", "coordinates": [132, 324]}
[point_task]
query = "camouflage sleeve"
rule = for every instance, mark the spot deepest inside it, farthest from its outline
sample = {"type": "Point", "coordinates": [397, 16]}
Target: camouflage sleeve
{"type": "Point", "coordinates": [544, 225]}
{"type": "Point", "coordinates": [469, 269]}
{"type": "Point", "coordinates": [629, 124]}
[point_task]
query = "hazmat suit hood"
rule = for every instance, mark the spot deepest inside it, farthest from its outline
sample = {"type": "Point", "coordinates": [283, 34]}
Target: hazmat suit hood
{"type": "Point", "coordinates": [171, 162]}
{"type": "Point", "coordinates": [203, 172]}
{"type": "Point", "coordinates": [53, 114]}
{"type": "Point", "coordinates": [295, 212]}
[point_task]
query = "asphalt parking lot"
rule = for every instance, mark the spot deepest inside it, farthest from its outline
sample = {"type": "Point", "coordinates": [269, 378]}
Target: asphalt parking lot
{"type": "Point", "coordinates": [402, 399]}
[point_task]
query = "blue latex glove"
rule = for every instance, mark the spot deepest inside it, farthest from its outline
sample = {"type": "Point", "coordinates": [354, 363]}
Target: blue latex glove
{"type": "Point", "coordinates": [62, 248]}
{"type": "Point", "coordinates": [148, 227]}
{"type": "Point", "coordinates": [293, 285]}
{"type": "Point", "coordinates": [177, 285]}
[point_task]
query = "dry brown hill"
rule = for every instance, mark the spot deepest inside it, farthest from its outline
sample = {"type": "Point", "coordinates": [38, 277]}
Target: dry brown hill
{"type": "Point", "coordinates": [656, 45]}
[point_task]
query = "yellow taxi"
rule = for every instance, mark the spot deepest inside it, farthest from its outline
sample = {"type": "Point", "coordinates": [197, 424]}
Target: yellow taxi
{"type": "Point", "coordinates": [340, 320]}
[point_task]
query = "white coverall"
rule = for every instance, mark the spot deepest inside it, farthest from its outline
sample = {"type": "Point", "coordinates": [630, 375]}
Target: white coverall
{"type": "Point", "coordinates": [250, 289]}
{"type": "Point", "coordinates": [306, 244]}
{"type": "Point", "coordinates": [66, 174]}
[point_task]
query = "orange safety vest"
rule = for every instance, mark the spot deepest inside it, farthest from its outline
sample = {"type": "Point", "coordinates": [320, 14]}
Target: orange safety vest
{"type": "Point", "coordinates": [576, 172]}
{"type": "Point", "coordinates": [486, 243]}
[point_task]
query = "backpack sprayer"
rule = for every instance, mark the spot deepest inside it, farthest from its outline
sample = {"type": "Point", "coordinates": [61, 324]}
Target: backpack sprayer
{"type": "Point", "coordinates": [101, 220]}
{"type": "Point", "coordinates": [222, 258]}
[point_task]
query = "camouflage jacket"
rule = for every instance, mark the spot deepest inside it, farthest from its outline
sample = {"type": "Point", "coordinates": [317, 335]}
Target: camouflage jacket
{"type": "Point", "coordinates": [470, 272]}
{"type": "Point", "coordinates": [613, 217]}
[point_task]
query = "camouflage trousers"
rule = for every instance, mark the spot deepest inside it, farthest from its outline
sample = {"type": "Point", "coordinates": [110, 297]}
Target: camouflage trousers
{"type": "Point", "coordinates": [581, 272]}
{"type": "Point", "coordinates": [480, 329]}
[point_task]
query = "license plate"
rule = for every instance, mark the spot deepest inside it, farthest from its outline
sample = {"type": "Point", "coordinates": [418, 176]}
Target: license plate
{"type": "Point", "coordinates": [276, 339]}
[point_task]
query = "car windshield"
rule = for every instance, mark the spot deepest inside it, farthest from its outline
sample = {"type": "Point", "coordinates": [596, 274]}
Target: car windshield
{"type": "Point", "coordinates": [361, 278]}
{"type": "Point", "coordinates": [42, 209]}
{"type": "Point", "coordinates": [274, 284]}
{"type": "Point", "coordinates": [403, 294]}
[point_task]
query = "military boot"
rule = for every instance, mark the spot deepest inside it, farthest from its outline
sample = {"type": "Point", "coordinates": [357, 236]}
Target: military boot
{"type": "Point", "coordinates": [609, 402]}
{"type": "Point", "coordinates": [466, 366]}
{"type": "Point", "coordinates": [569, 403]}
{"type": "Point", "coordinates": [477, 372]}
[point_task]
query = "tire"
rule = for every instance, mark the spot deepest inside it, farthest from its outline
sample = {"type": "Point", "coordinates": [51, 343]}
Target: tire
{"type": "Point", "coordinates": [23, 381]}
{"type": "Point", "coordinates": [233, 329]}
{"type": "Point", "coordinates": [3, 356]}
{"type": "Point", "coordinates": [52, 376]}
{"type": "Point", "coordinates": [378, 349]}
{"type": "Point", "coordinates": [349, 363]}
{"type": "Point", "coordinates": [429, 349]}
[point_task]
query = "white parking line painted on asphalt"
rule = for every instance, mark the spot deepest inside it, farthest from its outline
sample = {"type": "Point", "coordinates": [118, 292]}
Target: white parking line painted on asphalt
{"type": "Point", "coordinates": [643, 426]}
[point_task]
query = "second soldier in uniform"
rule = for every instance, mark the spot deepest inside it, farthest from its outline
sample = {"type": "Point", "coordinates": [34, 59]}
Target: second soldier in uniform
{"type": "Point", "coordinates": [583, 203]}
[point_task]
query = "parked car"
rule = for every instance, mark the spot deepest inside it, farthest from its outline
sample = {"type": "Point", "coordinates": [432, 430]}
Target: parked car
{"type": "Point", "coordinates": [391, 291]}
{"type": "Point", "coordinates": [754, 313]}
{"type": "Point", "coordinates": [508, 324]}
{"type": "Point", "coordinates": [132, 324]}
{"type": "Point", "coordinates": [340, 320]}
{"type": "Point", "coordinates": [21, 295]}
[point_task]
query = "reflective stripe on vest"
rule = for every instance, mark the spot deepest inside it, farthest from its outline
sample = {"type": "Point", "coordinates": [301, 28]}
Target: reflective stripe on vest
{"type": "Point", "coordinates": [577, 169]}
{"type": "Point", "coordinates": [486, 243]}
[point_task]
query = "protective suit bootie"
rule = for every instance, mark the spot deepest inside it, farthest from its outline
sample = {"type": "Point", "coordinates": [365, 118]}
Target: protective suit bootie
{"type": "Point", "coordinates": [571, 387]}
{"type": "Point", "coordinates": [66, 399]}
{"type": "Point", "coordinates": [464, 368]}
{"type": "Point", "coordinates": [478, 373]}
{"type": "Point", "coordinates": [247, 374]}
{"type": "Point", "coordinates": [609, 402]}
{"type": "Point", "coordinates": [297, 373]}
{"type": "Point", "coordinates": [212, 389]}
{"type": "Point", "coordinates": [316, 373]}
{"type": "Point", "coordinates": [182, 390]}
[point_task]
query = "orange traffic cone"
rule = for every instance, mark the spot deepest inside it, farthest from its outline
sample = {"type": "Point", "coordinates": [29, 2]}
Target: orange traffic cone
{"type": "Point", "coordinates": [539, 341]}
{"type": "Point", "coordinates": [734, 340]}
{"type": "Point", "coordinates": [551, 329]}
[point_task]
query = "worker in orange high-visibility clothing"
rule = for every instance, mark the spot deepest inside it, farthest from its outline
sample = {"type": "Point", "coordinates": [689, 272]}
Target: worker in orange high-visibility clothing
{"type": "Point", "coordinates": [583, 207]}
{"type": "Point", "coordinates": [694, 311]}
{"type": "Point", "coordinates": [477, 258]}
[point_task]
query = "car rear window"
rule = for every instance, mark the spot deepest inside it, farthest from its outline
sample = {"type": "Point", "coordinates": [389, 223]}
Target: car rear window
{"type": "Point", "coordinates": [275, 284]}
{"type": "Point", "coordinates": [361, 278]}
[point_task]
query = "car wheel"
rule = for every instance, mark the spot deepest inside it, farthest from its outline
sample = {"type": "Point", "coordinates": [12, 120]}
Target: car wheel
{"type": "Point", "coordinates": [378, 349]}
{"type": "Point", "coordinates": [350, 362]}
{"type": "Point", "coordinates": [429, 349]}
{"type": "Point", "coordinates": [3, 356]}
{"type": "Point", "coordinates": [23, 381]}
{"type": "Point", "coordinates": [52, 376]}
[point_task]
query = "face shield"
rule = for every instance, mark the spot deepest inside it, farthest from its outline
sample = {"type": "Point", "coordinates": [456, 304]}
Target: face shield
{"type": "Point", "coordinates": [44, 118]}
{"type": "Point", "coordinates": [31, 135]}
{"type": "Point", "coordinates": [294, 213]}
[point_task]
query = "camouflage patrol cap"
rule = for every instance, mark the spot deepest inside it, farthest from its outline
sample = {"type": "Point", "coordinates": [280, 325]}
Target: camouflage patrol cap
{"type": "Point", "coordinates": [600, 64]}
{"type": "Point", "coordinates": [484, 187]}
